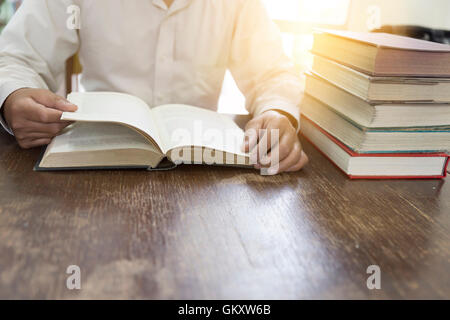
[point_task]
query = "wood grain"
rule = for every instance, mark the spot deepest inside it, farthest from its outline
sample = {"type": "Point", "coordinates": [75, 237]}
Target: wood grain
{"type": "Point", "coordinates": [218, 233]}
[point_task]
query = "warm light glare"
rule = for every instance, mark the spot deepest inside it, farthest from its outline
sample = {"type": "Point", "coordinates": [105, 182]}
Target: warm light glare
{"type": "Point", "coordinates": [296, 46]}
{"type": "Point", "coordinates": [312, 11]}
{"type": "Point", "coordinates": [324, 11]}
{"type": "Point", "coordinates": [283, 9]}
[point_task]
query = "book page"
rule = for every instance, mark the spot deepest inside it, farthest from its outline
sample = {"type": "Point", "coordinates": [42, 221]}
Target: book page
{"type": "Point", "coordinates": [87, 136]}
{"type": "Point", "coordinates": [114, 108]}
{"type": "Point", "coordinates": [181, 126]}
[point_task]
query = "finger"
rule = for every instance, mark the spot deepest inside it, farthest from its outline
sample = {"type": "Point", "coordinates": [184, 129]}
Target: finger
{"type": "Point", "coordinates": [299, 165]}
{"type": "Point", "coordinates": [251, 134]}
{"type": "Point", "coordinates": [34, 136]}
{"type": "Point", "coordinates": [36, 112]}
{"type": "Point", "coordinates": [39, 130]}
{"type": "Point", "coordinates": [290, 161]}
{"type": "Point", "coordinates": [27, 144]}
{"type": "Point", "coordinates": [284, 148]}
{"type": "Point", "coordinates": [270, 137]}
{"type": "Point", "coordinates": [50, 128]}
{"type": "Point", "coordinates": [51, 100]}
{"type": "Point", "coordinates": [250, 140]}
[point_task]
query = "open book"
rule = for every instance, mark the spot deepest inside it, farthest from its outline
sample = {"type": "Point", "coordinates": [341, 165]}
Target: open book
{"type": "Point", "coordinates": [114, 130]}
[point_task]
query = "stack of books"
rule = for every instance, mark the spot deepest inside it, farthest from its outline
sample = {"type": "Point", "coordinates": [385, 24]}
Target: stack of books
{"type": "Point", "coordinates": [378, 105]}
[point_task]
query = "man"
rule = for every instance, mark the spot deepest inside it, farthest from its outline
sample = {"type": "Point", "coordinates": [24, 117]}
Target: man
{"type": "Point", "coordinates": [164, 51]}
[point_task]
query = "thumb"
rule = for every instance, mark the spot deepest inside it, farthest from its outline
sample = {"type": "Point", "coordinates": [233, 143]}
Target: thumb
{"type": "Point", "coordinates": [51, 100]}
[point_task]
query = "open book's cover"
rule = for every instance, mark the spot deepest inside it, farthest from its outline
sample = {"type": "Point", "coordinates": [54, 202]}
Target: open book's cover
{"type": "Point", "coordinates": [165, 164]}
{"type": "Point", "coordinates": [391, 155]}
{"type": "Point", "coordinates": [390, 41]}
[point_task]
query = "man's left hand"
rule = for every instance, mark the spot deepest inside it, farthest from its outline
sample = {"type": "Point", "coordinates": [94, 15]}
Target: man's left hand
{"type": "Point", "coordinates": [261, 140]}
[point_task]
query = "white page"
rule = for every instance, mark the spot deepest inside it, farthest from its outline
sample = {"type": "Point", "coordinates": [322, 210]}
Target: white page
{"type": "Point", "coordinates": [87, 136]}
{"type": "Point", "coordinates": [113, 107]}
{"type": "Point", "coordinates": [182, 125]}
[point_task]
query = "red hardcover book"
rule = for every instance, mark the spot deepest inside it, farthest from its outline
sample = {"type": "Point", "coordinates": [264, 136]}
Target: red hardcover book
{"type": "Point", "coordinates": [375, 165]}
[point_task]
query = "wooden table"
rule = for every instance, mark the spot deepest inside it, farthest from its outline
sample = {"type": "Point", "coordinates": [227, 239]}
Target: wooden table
{"type": "Point", "coordinates": [219, 233]}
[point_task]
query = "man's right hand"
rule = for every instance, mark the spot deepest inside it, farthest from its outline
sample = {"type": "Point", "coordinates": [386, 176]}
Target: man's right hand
{"type": "Point", "coordinates": [34, 116]}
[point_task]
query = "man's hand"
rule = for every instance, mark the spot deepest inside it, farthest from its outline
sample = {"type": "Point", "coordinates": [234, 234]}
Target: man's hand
{"type": "Point", "coordinates": [260, 141]}
{"type": "Point", "coordinates": [34, 116]}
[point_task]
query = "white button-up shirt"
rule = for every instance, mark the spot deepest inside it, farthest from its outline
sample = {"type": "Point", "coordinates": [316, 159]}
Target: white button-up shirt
{"type": "Point", "coordinates": [162, 55]}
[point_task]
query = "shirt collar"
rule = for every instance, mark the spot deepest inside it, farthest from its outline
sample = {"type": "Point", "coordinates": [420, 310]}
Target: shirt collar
{"type": "Point", "coordinates": [160, 4]}
{"type": "Point", "coordinates": [177, 5]}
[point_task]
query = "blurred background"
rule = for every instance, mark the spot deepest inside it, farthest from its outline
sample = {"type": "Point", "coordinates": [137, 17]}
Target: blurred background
{"type": "Point", "coordinates": [7, 9]}
{"type": "Point", "coordinates": [298, 18]}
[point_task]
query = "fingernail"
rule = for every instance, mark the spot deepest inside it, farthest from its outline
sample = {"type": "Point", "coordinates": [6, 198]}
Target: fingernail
{"type": "Point", "coordinates": [272, 171]}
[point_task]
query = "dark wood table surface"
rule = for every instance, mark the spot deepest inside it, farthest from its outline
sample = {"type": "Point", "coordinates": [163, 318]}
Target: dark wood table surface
{"type": "Point", "coordinates": [219, 233]}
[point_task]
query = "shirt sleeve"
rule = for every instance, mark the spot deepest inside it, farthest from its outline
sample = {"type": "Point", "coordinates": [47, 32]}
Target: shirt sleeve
{"type": "Point", "coordinates": [34, 47]}
{"type": "Point", "coordinates": [263, 72]}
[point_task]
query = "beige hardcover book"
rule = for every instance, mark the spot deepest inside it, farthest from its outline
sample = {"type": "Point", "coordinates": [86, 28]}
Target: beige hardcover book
{"type": "Point", "coordinates": [382, 89]}
{"type": "Point", "coordinates": [370, 140]}
{"type": "Point", "coordinates": [377, 115]}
